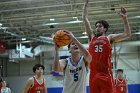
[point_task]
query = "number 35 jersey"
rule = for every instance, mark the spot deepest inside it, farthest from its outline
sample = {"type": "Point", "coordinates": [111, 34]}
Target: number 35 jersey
{"type": "Point", "coordinates": [100, 49]}
{"type": "Point", "coordinates": [75, 76]}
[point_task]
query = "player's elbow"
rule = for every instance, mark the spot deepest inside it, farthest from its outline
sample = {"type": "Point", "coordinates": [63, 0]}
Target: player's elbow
{"type": "Point", "coordinates": [127, 35]}
{"type": "Point", "coordinates": [56, 69]}
{"type": "Point", "coordinates": [89, 58]}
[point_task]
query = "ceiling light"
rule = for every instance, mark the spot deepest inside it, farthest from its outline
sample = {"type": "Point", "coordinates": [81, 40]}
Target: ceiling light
{"type": "Point", "coordinates": [77, 21]}
{"type": "Point", "coordinates": [84, 33]}
{"type": "Point", "coordinates": [26, 41]}
{"type": "Point", "coordinates": [137, 16]}
{"type": "Point", "coordinates": [0, 24]}
{"type": "Point", "coordinates": [52, 19]}
{"type": "Point", "coordinates": [52, 24]}
{"type": "Point", "coordinates": [83, 37]}
{"type": "Point", "coordinates": [137, 33]}
{"type": "Point", "coordinates": [23, 39]}
{"type": "Point", "coordinates": [74, 17]}
{"type": "Point", "coordinates": [134, 17]}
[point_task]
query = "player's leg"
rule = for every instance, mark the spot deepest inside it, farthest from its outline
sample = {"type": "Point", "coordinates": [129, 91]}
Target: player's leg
{"type": "Point", "coordinates": [106, 85]}
{"type": "Point", "coordinates": [94, 88]}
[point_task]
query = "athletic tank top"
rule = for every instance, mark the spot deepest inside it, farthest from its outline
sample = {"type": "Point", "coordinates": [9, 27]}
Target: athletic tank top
{"type": "Point", "coordinates": [5, 90]}
{"type": "Point", "coordinates": [101, 51]}
{"type": "Point", "coordinates": [120, 86]}
{"type": "Point", "coordinates": [37, 87]}
{"type": "Point", "coordinates": [75, 77]}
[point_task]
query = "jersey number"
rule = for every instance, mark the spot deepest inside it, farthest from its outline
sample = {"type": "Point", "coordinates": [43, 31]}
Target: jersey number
{"type": "Point", "coordinates": [38, 92]}
{"type": "Point", "coordinates": [121, 88]}
{"type": "Point", "coordinates": [75, 77]}
{"type": "Point", "coordinates": [98, 48]}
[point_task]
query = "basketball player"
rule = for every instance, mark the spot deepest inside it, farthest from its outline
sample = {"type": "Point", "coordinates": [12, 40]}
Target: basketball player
{"type": "Point", "coordinates": [120, 82]}
{"type": "Point", "coordinates": [74, 67]}
{"type": "Point", "coordinates": [101, 79]}
{"type": "Point", "coordinates": [36, 84]}
{"type": "Point", "coordinates": [4, 88]}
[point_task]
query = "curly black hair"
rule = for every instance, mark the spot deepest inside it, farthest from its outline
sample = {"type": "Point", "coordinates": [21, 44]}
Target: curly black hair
{"type": "Point", "coordinates": [104, 23]}
{"type": "Point", "coordinates": [70, 44]}
{"type": "Point", "coordinates": [36, 66]}
{"type": "Point", "coordinates": [120, 70]}
{"type": "Point", "coordinates": [1, 79]}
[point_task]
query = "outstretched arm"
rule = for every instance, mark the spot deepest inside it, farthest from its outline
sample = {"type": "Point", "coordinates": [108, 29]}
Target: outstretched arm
{"type": "Point", "coordinates": [45, 90]}
{"type": "Point", "coordinates": [59, 65]}
{"type": "Point", "coordinates": [84, 51]}
{"type": "Point", "coordinates": [127, 32]}
{"type": "Point", "coordinates": [86, 22]}
{"type": "Point", "coordinates": [126, 87]}
{"type": "Point", "coordinates": [10, 90]}
{"type": "Point", "coordinates": [28, 85]}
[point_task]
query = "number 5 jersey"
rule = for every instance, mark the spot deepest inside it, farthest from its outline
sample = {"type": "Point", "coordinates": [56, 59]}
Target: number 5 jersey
{"type": "Point", "coordinates": [75, 76]}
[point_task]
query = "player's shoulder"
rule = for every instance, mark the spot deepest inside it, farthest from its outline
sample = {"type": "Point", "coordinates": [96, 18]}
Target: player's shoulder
{"type": "Point", "coordinates": [63, 60]}
{"type": "Point", "coordinates": [110, 37]}
{"type": "Point", "coordinates": [30, 80]}
{"type": "Point", "coordinates": [125, 80]}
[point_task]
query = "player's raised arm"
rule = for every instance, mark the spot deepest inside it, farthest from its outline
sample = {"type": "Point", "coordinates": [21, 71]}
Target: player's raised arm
{"type": "Point", "coordinates": [84, 51]}
{"type": "Point", "coordinates": [126, 87]}
{"type": "Point", "coordinates": [28, 85]}
{"type": "Point", "coordinates": [58, 65]}
{"type": "Point", "coordinates": [45, 90]}
{"type": "Point", "coordinates": [127, 31]}
{"type": "Point", "coordinates": [86, 22]}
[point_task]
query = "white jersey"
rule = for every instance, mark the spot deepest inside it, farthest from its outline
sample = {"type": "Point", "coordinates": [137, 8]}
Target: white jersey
{"type": "Point", "coordinates": [75, 77]}
{"type": "Point", "coordinates": [5, 90]}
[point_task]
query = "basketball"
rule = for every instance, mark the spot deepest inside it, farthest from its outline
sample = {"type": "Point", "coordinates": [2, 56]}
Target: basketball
{"type": "Point", "coordinates": [61, 38]}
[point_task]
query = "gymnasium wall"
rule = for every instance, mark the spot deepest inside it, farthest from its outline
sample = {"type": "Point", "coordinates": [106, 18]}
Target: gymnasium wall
{"type": "Point", "coordinates": [127, 57]}
{"type": "Point", "coordinates": [55, 84]}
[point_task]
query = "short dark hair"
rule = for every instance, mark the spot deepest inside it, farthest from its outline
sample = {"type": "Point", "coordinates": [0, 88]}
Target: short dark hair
{"type": "Point", "coordinates": [36, 66]}
{"type": "Point", "coordinates": [120, 70]}
{"type": "Point", "coordinates": [69, 44]}
{"type": "Point", "coordinates": [1, 79]}
{"type": "Point", "coordinates": [104, 23]}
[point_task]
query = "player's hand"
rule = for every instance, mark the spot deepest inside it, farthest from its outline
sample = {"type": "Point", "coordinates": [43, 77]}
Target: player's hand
{"type": "Point", "coordinates": [70, 34]}
{"type": "Point", "coordinates": [85, 3]}
{"type": "Point", "coordinates": [122, 13]}
{"type": "Point", "coordinates": [55, 45]}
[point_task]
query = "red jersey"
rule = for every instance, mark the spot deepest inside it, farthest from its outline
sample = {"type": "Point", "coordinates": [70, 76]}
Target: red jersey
{"type": "Point", "coordinates": [120, 86]}
{"type": "Point", "coordinates": [101, 51]}
{"type": "Point", "coordinates": [37, 87]}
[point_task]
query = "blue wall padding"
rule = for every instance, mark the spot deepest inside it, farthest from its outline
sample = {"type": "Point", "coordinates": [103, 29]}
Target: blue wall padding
{"type": "Point", "coordinates": [133, 88]}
